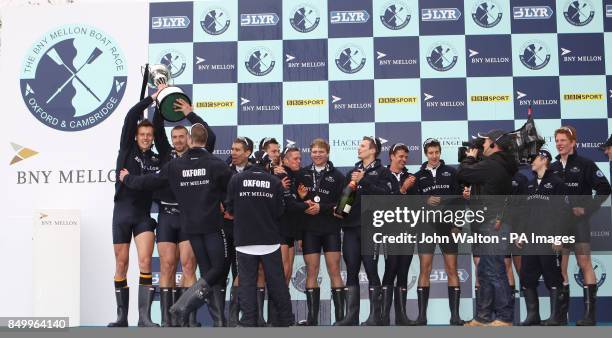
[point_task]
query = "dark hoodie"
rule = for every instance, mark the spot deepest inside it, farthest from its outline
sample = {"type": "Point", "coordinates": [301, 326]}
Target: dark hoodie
{"type": "Point", "coordinates": [493, 176]}
{"type": "Point", "coordinates": [256, 200]}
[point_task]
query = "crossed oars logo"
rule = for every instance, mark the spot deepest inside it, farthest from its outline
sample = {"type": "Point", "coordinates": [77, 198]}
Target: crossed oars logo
{"type": "Point", "coordinates": [52, 53]}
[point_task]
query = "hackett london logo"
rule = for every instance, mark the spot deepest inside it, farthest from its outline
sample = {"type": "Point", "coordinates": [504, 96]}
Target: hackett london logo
{"type": "Point", "coordinates": [73, 77]}
{"type": "Point", "coordinates": [395, 15]}
{"type": "Point", "coordinates": [486, 14]}
{"type": "Point", "coordinates": [215, 21]}
{"type": "Point", "coordinates": [305, 18]}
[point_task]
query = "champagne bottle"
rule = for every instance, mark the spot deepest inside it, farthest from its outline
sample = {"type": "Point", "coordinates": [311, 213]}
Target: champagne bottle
{"type": "Point", "coordinates": [347, 199]}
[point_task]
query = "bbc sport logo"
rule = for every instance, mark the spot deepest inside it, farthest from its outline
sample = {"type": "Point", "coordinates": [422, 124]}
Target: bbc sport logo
{"type": "Point", "coordinates": [215, 21]}
{"type": "Point", "coordinates": [73, 77]}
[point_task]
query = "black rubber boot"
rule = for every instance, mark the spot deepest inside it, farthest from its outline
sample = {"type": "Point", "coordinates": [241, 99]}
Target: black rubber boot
{"type": "Point", "coordinates": [313, 299]}
{"type": "Point", "coordinates": [261, 297]}
{"type": "Point", "coordinates": [387, 300]}
{"type": "Point", "coordinates": [352, 307]}
{"type": "Point", "coordinates": [590, 296]}
{"type": "Point", "coordinates": [216, 306]}
{"type": "Point", "coordinates": [374, 293]}
{"type": "Point", "coordinates": [533, 307]}
{"type": "Point", "coordinates": [176, 294]}
{"type": "Point", "coordinates": [165, 302]}
{"type": "Point", "coordinates": [234, 308]}
{"type": "Point", "coordinates": [192, 320]}
{"type": "Point", "coordinates": [423, 300]}
{"type": "Point", "coordinates": [191, 300]}
{"type": "Point", "coordinates": [454, 299]}
{"type": "Point", "coordinates": [145, 298]}
{"type": "Point", "coordinates": [399, 300]}
{"type": "Point", "coordinates": [122, 296]}
{"type": "Point", "coordinates": [338, 297]}
{"type": "Point", "coordinates": [556, 318]}
{"type": "Point", "coordinates": [564, 300]}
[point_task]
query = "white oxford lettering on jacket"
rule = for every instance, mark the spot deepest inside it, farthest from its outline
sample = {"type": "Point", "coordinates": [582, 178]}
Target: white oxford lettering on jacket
{"type": "Point", "coordinates": [194, 172]}
{"type": "Point", "coordinates": [256, 183]}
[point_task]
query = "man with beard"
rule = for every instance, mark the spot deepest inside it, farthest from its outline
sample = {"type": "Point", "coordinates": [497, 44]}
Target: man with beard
{"type": "Point", "coordinates": [169, 234]}
{"type": "Point", "coordinates": [198, 180]}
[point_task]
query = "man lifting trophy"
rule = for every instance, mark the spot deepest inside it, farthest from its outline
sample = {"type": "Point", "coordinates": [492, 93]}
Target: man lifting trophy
{"type": "Point", "coordinates": [160, 74]}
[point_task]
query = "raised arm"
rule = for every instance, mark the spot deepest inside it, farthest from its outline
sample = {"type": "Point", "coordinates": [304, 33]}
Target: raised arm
{"type": "Point", "coordinates": [187, 110]}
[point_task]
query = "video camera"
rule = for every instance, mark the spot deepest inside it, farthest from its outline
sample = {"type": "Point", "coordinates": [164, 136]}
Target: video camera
{"type": "Point", "coordinates": [474, 143]}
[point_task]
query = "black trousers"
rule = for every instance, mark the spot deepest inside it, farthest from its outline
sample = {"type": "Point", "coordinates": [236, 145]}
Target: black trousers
{"type": "Point", "coordinates": [397, 267]}
{"type": "Point", "coordinates": [210, 252]}
{"type": "Point", "coordinates": [231, 263]}
{"type": "Point", "coordinates": [351, 252]}
{"type": "Point", "coordinates": [549, 266]}
{"type": "Point", "coordinates": [278, 293]}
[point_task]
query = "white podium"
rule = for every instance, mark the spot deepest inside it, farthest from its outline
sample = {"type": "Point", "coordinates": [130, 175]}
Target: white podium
{"type": "Point", "coordinates": [56, 266]}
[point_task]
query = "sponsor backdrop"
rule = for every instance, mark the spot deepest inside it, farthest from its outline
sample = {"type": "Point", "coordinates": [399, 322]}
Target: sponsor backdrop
{"type": "Point", "coordinates": [70, 75]}
{"type": "Point", "coordinates": [402, 70]}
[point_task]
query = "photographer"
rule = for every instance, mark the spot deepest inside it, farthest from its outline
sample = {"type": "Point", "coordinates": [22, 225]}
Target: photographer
{"type": "Point", "coordinates": [493, 175]}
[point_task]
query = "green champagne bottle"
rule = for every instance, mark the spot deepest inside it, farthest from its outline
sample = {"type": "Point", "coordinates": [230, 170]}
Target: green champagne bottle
{"type": "Point", "coordinates": [347, 199]}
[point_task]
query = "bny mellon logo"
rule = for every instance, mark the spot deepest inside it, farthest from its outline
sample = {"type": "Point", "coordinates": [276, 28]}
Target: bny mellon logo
{"type": "Point", "coordinates": [21, 153]}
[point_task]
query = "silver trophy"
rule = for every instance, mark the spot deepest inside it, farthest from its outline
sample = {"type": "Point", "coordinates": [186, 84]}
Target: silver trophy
{"type": "Point", "coordinates": [160, 74]}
